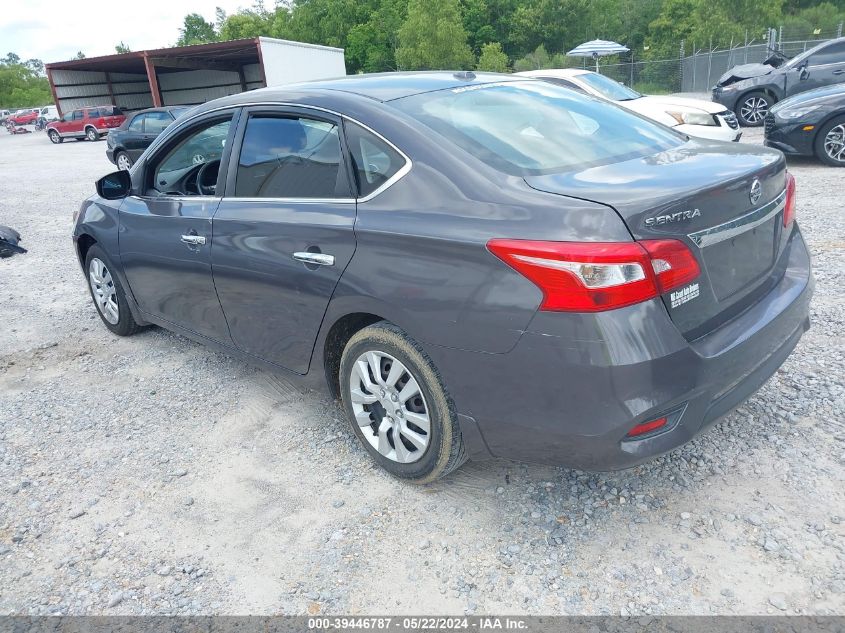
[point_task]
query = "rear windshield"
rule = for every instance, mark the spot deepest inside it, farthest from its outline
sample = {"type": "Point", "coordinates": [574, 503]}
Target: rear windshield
{"type": "Point", "coordinates": [533, 128]}
{"type": "Point", "coordinates": [108, 111]}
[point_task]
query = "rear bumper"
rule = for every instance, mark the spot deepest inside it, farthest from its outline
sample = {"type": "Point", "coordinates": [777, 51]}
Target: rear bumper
{"type": "Point", "coordinates": [575, 384]}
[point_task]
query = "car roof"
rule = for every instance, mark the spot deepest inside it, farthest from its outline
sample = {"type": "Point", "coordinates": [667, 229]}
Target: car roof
{"type": "Point", "coordinates": [381, 86]}
{"type": "Point", "coordinates": [563, 73]}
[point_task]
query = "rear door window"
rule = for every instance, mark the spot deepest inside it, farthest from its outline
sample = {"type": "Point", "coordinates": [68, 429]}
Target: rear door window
{"type": "Point", "coordinates": [137, 124]}
{"type": "Point", "coordinates": [78, 115]}
{"type": "Point", "coordinates": [290, 157]}
{"type": "Point", "coordinates": [374, 161]}
{"type": "Point", "coordinates": [156, 122]}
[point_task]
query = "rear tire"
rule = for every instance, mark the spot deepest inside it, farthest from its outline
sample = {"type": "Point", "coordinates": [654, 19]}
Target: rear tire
{"type": "Point", "coordinates": [54, 137]}
{"type": "Point", "coordinates": [108, 294]}
{"type": "Point", "coordinates": [92, 134]}
{"type": "Point", "coordinates": [751, 110]}
{"type": "Point", "coordinates": [424, 421]}
{"type": "Point", "coordinates": [829, 145]}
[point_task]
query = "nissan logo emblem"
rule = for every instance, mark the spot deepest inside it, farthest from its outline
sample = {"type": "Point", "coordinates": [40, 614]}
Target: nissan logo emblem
{"type": "Point", "coordinates": [756, 191]}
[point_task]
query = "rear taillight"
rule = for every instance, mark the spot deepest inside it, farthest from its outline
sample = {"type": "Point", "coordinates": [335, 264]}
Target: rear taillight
{"type": "Point", "coordinates": [597, 276]}
{"type": "Point", "coordinates": [648, 427]}
{"type": "Point", "coordinates": [673, 263]}
{"type": "Point", "coordinates": [789, 205]}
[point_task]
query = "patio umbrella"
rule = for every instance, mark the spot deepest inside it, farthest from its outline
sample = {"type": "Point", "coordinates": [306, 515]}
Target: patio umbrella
{"type": "Point", "coordinates": [596, 49]}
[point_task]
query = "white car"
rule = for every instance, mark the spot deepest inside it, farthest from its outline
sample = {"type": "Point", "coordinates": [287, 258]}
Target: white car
{"type": "Point", "coordinates": [694, 117]}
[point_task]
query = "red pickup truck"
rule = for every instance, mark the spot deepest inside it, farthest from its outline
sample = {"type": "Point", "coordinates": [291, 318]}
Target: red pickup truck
{"type": "Point", "coordinates": [91, 123]}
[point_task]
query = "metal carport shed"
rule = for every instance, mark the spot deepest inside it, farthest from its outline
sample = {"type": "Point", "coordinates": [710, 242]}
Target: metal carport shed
{"type": "Point", "coordinates": [188, 75]}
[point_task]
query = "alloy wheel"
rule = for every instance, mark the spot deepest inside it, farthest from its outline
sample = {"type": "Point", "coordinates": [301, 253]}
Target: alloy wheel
{"type": "Point", "coordinates": [390, 407]}
{"type": "Point", "coordinates": [102, 287]}
{"type": "Point", "coordinates": [91, 134]}
{"type": "Point", "coordinates": [755, 109]}
{"type": "Point", "coordinates": [123, 162]}
{"type": "Point", "coordinates": [834, 143]}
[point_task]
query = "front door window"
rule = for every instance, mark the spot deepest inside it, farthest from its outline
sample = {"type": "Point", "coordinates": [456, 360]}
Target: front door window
{"type": "Point", "coordinates": [192, 166]}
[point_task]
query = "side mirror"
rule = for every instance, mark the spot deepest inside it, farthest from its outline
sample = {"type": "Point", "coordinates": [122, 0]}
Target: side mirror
{"type": "Point", "coordinates": [114, 186]}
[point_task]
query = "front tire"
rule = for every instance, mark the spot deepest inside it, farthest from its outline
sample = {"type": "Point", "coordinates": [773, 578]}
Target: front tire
{"type": "Point", "coordinates": [829, 145]}
{"type": "Point", "coordinates": [92, 134]}
{"type": "Point", "coordinates": [123, 161]}
{"type": "Point", "coordinates": [398, 406]}
{"type": "Point", "coordinates": [108, 294]}
{"type": "Point", "coordinates": [54, 137]}
{"type": "Point", "coordinates": [752, 108]}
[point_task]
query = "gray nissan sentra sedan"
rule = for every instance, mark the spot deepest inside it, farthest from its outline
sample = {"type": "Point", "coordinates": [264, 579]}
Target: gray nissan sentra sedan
{"type": "Point", "coordinates": [477, 265]}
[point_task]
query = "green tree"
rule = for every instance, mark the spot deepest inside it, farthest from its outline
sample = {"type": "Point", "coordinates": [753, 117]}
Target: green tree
{"type": "Point", "coordinates": [702, 23]}
{"type": "Point", "coordinates": [21, 85]}
{"type": "Point", "coordinates": [122, 48]}
{"type": "Point", "coordinates": [35, 65]}
{"type": "Point", "coordinates": [493, 58]}
{"type": "Point", "coordinates": [327, 22]}
{"type": "Point", "coordinates": [825, 17]}
{"type": "Point", "coordinates": [245, 24]}
{"type": "Point", "coordinates": [371, 46]}
{"type": "Point", "coordinates": [535, 60]}
{"type": "Point", "coordinates": [433, 37]}
{"type": "Point", "coordinates": [196, 30]}
{"type": "Point", "coordinates": [558, 25]}
{"type": "Point", "coordinates": [79, 55]}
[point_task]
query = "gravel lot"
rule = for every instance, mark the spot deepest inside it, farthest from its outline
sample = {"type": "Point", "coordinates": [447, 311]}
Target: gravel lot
{"type": "Point", "coordinates": [151, 475]}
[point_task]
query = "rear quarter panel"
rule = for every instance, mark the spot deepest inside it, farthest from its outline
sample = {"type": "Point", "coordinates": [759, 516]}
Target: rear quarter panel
{"type": "Point", "coordinates": [421, 260]}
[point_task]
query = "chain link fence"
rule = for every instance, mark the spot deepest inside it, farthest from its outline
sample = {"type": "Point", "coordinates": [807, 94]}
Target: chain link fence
{"type": "Point", "coordinates": [700, 70]}
{"type": "Point", "coordinates": [648, 77]}
{"type": "Point", "coordinates": [697, 70]}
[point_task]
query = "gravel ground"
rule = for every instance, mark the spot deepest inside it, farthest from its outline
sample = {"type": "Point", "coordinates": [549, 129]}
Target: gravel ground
{"type": "Point", "coordinates": [151, 475]}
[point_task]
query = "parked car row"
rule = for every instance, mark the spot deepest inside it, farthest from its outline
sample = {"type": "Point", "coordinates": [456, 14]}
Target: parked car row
{"type": "Point", "coordinates": [810, 123]}
{"type": "Point", "coordinates": [28, 116]}
{"type": "Point", "coordinates": [695, 117]}
{"type": "Point", "coordinates": [750, 90]}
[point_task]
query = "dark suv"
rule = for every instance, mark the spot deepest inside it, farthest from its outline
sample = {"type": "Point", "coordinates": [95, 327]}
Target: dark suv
{"type": "Point", "coordinates": [751, 90]}
{"type": "Point", "coordinates": [125, 144]}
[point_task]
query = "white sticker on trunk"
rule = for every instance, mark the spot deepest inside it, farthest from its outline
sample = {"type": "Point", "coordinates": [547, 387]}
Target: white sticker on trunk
{"type": "Point", "coordinates": [680, 297]}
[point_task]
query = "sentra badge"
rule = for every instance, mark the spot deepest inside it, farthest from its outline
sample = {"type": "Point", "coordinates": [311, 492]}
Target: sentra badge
{"type": "Point", "coordinates": [678, 216]}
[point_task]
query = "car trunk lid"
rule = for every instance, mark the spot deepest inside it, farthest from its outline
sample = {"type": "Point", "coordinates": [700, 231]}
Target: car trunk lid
{"type": "Point", "coordinates": [701, 194]}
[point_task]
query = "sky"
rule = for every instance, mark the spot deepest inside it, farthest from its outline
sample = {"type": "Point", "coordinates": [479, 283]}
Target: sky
{"type": "Point", "coordinates": [54, 31]}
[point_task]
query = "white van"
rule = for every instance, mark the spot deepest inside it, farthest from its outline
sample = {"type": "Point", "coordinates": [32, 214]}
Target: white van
{"type": "Point", "coordinates": [49, 113]}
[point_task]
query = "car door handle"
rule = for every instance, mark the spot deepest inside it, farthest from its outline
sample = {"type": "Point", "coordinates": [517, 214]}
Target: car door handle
{"type": "Point", "coordinates": [839, 72]}
{"type": "Point", "coordinates": [320, 259]}
{"type": "Point", "coordinates": [193, 240]}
